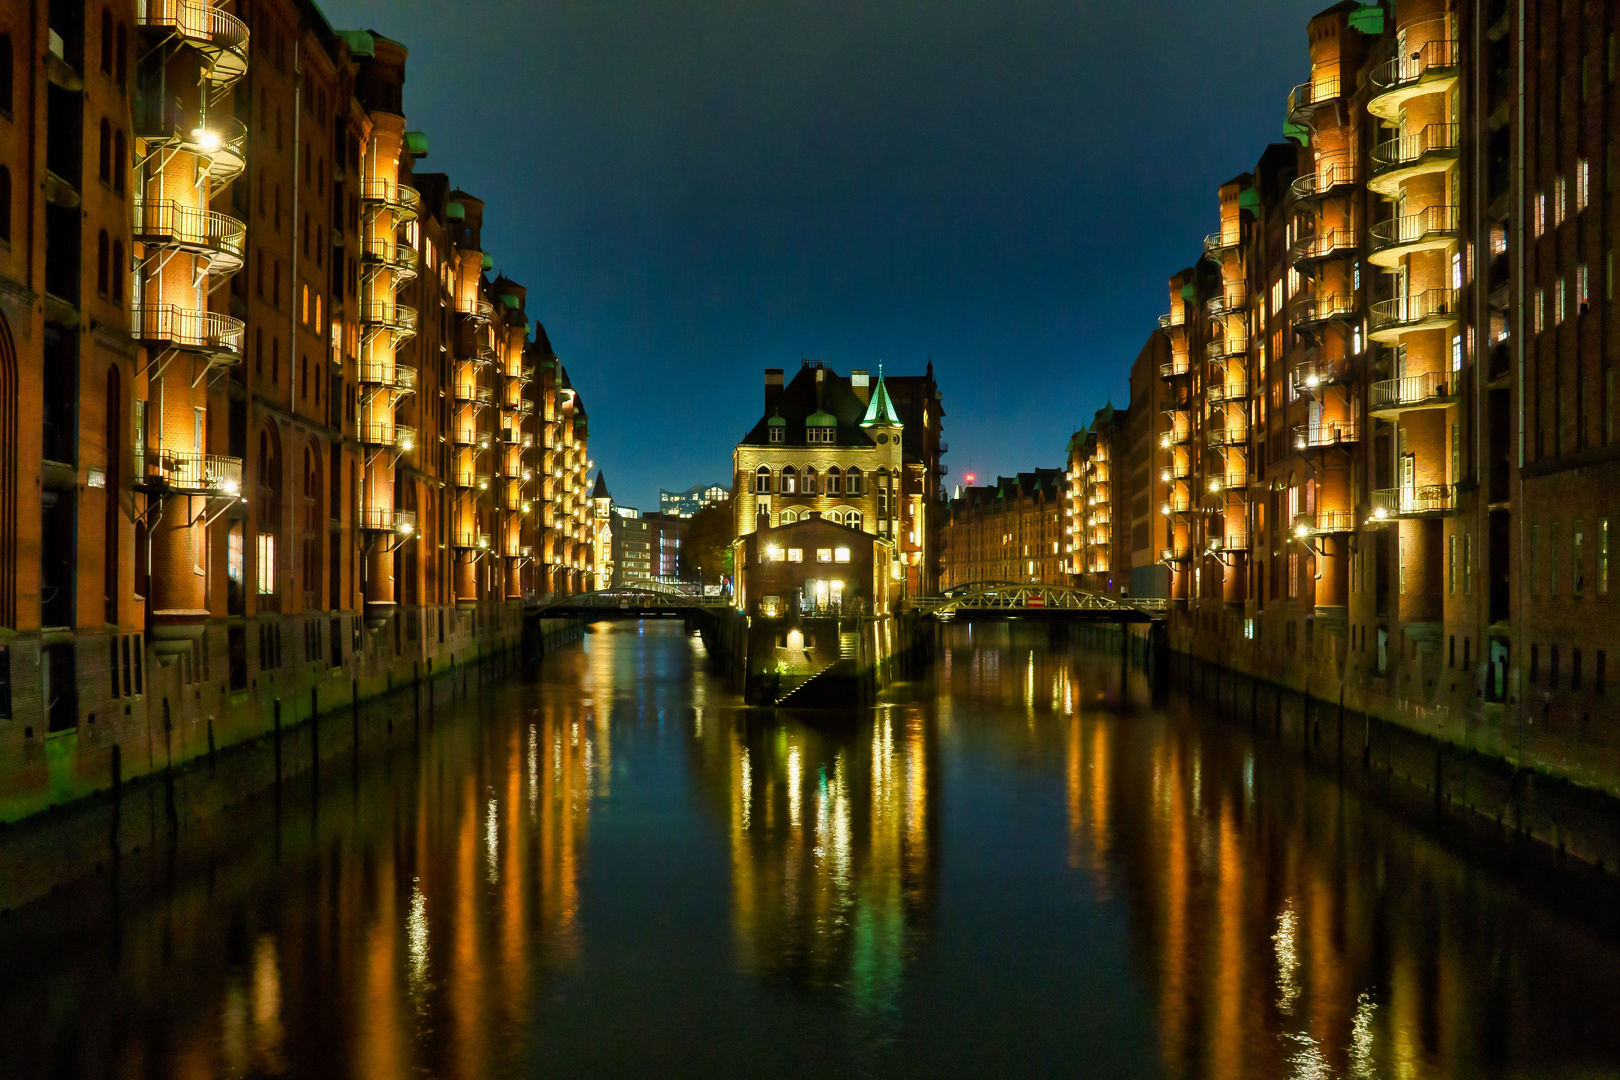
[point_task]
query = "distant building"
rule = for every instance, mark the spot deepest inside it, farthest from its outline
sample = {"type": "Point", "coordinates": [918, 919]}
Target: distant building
{"type": "Point", "coordinates": [1097, 515]}
{"type": "Point", "coordinates": [686, 503]}
{"type": "Point", "coordinates": [603, 550]}
{"type": "Point", "coordinates": [647, 546]}
{"type": "Point", "coordinates": [1011, 530]}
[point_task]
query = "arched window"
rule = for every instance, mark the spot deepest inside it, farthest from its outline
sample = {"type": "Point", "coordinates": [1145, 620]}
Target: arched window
{"type": "Point", "coordinates": [834, 516]}
{"type": "Point", "coordinates": [5, 72]}
{"type": "Point", "coordinates": [267, 509]}
{"type": "Point", "coordinates": [762, 481]}
{"type": "Point", "coordinates": [852, 518]}
{"type": "Point", "coordinates": [121, 71]}
{"type": "Point", "coordinates": [790, 480]}
{"type": "Point", "coordinates": [789, 516]}
{"type": "Point", "coordinates": [312, 522]}
{"type": "Point", "coordinates": [103, 259]}
{"type": "Point", "coordinates": [852, 481]}
{"type": "Point", "coordinates": [104, 152]}
{"type": "Point", "coordinates": [809, 479]}
{"type": "Point", "coordinates": [106, 41]}
{"type": "Point", "coordinates": [834, 481]}
{"type": "Point", "coordinates": [120, 162]}
{"type": "Point", "coordinates": [118, 271]}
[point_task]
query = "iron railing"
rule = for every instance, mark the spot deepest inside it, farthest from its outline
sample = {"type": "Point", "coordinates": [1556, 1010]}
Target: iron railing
{"type": "Point", "coordinates": [190, 328]}
{"type": "Point", "coordinates": [191, 473]}
{"type": "Point", "coordinates": [1411, 390]}
{"type": "Point", "coordinates": [1413, 310]}
{"type": "Point", "coordinates": [1428, 223]}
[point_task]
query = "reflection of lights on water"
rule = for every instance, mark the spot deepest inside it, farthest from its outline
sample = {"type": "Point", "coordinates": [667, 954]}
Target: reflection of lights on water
{"type": "Point", "coordinates": [1248, 780]}
{"type": "Point", "coordinates": [534, 771]}
{"type": "Point", "coordinates": [1308, 1062]}
{"type": "Point", "coordinates": [1198, 782]}
{"type": "Point", "coordinates": [747, 788]}
{"type": "Point", "coordinates": [1287, 958]}
{"type": "Point", "coordinates": [1361, 1039]}
{"type": "Point", "coordinates": [795, 778]}
{"type": "Point", "coordinates": [697, 722]}
{"type": "Point", "coordinates": [416, 939]}
{"type": "Point", "coordinates": [492, 835]}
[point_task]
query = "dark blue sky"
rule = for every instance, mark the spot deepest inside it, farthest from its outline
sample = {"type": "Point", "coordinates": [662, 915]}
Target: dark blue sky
{"type": "Point", "coordinates": [694, 192]}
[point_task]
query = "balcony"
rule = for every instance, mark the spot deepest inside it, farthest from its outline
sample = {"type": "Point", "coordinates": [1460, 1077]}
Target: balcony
{"type": "Point", "coordinates": [1217, 244]}
{"type": "Point", "coordinates": [1174, 318]}
{"type": "Point", "coordinates": [1430, 228]}
{"type": "Point", "coordinates": [1421, 501]}
{"type": "Point", "coordinates": [211, 475]}
{"type": "Point", "coordinates": [1332, 175]}
{"type": "Point", "coordinates": [219, 238]}
{"type": "Point", "coordinates": [469, 436]}
{"type": "Point", "coordinates": [469, 539]}
{"type": "Point", "coordinates": [1428, 310]}
{"type": "Point", "coordinates": [1306, 98]}
{"type": "Point", "coordinates": [221, 145]}
{"type": "Point", "coordinates": [1223, 433]}
{"type": "Point", "coordinates": [520, 406]}
{"type": "Point", "coordinates": [470, 394]}
{"type": "Point", "coordinates": [1325, 435]}
{"type": "Point", "coordinates": [1235, 540]}
{"type": "Point", "coordinates": [387, 315]}
{"type": "Point", "coordinates": [1176, 366]}
{"type": "Point", "coordinates": [1324, 523]}
{"type": "Point", "coordinates": [1430, 68]}
{"type": "Point", "coordinates": [1229, 344]}
{"type": "Point", "coordinates": [1395, 161]}
{"type": "Point", "coordinates": [1175, 554]}
{"type": "Point", "coordinates": [220, 37]}
{"type": "Point", "coordinates": [1310, 376]}
{"type": "Point", "coordinates": [173, 326]}
{"type": "Point", "coordinates": [1337, 243]}
{"type": "Point", "coordinates": [1228, 389]}
{"type": "Point", "coordinates": [387, 253]}
{"type": "Point", "coordinates": [401, 200]}
{"type": "Point", "coordinates": [1309, 314]}
{"type": "Point", "coordinates": [393, 376]}
{"type": "Point", "coordinates": [1391, 397]}
{"type": "Point", "coordinates": [1230, 301]}
{"type": "Point", "coordinates": [382, 433]}
{"type": "Point", "coordinates": [387, 519]}
{"type": "Point", "coordinates": [477, 309]}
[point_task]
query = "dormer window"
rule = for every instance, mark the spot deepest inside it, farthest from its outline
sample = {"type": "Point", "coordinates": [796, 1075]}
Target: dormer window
{"type": "Point", "coordinates": [821, 434]}
{"type": "Point", "coordinates": [821, 428]}
{"type": "Point", "coordinates": [777, 434]}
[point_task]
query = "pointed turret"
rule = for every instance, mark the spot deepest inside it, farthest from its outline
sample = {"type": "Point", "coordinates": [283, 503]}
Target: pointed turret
{"type": "Point", "coordinates": [881, 410]}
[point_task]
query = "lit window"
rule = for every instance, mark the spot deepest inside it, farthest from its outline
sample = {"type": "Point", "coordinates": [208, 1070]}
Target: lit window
{"type": "Point", "coordinates": [1541, 213]}
{"type": "Point", "coordinates": [842, 554]}
{"type": "Point", "coordinates": [795, 555]}
{"type": "Point", "coordinates": [1583, 172]}
{"type": "Point", "coordinates": [267, 564]}
{"type": "Point", "coordinates": [824, 555]}
{"type": "Point", "coordinates": [1558, 302]}
{"type": "Point", "coordinates": [1560, 194]}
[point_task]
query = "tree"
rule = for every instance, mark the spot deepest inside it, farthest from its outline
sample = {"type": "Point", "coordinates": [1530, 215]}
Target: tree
{"type": "Point", "coordinates": [706, 550]}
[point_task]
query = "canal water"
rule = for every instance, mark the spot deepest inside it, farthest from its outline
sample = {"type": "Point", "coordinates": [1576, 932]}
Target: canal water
{"type": "Point", "coordinates": [608, 868]}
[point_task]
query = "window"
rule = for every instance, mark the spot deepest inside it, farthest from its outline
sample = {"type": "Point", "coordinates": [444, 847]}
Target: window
{"type": "Point", "coordinates": [824, 555]}
{"type": "Point", "coordinates": [1583, 292]}
{"type": "Point", "coordinates": [120, 65]}
{"type": "Point", "coordinates": [1540, 214]}
{"type": "Point", "coordinates": [267, 564]}
{"type": "Point", "coordinates": [1603, 555]}
{"type": "Point", "coordinates": [1401, 548]}
{"type": "Point", "coordinates": [1558, 302]}
{"type": "Point", "coordinates": [1560, 195]}
{"type": "Point", "coordinates": [795, 554]}
{"type": "Point", "coordinates": [809, 480]}
{"type": "Point", "coordinates": [852, 518]}
{"type": "Point", "coordinates": [852, 481]}
{"type": "Point", "coordinates": [790, 480]}
{"type": "Point", "coordinates": [1468, 566]}
{"type": "Point", "coordinates": [1583, 170]}
{"type": "Point", "coordinates": [1535, 560]}
{"type": "Point", "coordinates": [1540, 315]}
{"type": "Point", "coordinates": [1577, 558]}
{"type": "Point", "coordinates": [1552, 548]}
{"type": "Point", "coordinates": [1451, 572]}
{"type": "Point", "coordinates": [834, 480]}
{"type": "Point", "coordinates": [841, 554]}
{"type": "Point", "coordinates": [778, 433]}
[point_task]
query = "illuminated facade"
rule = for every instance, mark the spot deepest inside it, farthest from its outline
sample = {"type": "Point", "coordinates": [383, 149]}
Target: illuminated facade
{"type": "Point", "coordinates": [1096, 520]}
{"type": "Point", "coordinates": [856, 451]}
{"type": "Point", "coordinates": [294, 445]}
{"type": "Point", "coordinates": [1012, 531]}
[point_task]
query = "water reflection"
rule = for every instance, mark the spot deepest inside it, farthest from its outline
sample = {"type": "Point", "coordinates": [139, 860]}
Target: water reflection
{"type": "Point", "coordinates": [1020, 867]}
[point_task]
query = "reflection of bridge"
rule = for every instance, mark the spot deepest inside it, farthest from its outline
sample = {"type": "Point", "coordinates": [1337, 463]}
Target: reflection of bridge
{"type": "Point", "coordinates": [1005, 599]}
{"type": "Point", "coordinates": [630, 601]}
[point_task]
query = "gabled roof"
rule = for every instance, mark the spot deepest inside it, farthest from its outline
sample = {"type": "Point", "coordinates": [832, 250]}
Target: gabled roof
{"type": "Point", "coordinates": [796, 402]}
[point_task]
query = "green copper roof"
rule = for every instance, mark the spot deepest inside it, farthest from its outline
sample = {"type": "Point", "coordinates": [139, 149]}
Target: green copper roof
{"type": "Point", "coordinates": [360, 43]}
{"type": "Point", "coordinates": [881, 409]}
{"type": "Point", "coordinates": [508, 299]}
{"type": "Point", "coordinates": [1249, 199]}
{"type": "Point", "coordinates": [454, 211]}
{"type": "Point", "coordinates": [416, 142]}
{"type": "Point", "coordinates": [821, 419]}
{"type": "Point", "coordinates": [1189, 291]}
{"type": "Point", "coordinates": [489, 261]}
{"type": "Point", "coordinates": [1368, 18]}
{"type": "Point", "coordinates": [776, 421]}
{"type": "Point", "coordinates": [1298, 132]}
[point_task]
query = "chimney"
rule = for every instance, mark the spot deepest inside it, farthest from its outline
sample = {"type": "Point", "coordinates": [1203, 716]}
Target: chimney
{"type": "Point", "coordinates": [860, 381]}
{"type": "Point", "coordinates": [773, 388]}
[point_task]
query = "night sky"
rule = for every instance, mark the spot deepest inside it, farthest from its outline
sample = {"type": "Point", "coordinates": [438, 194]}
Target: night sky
{"type": "Point", "coordinates": [694, 192]}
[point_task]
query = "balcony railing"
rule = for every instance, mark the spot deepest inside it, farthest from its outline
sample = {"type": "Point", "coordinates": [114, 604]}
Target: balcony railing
{"type": "Point", "coordinates": [1319, 310]}
{"type": "Point", "coordinates": [402, 200]}
{"type": "Point", "coordinates": [1230, 540]}
{"type": "Point", "coordinates": [1429, 227]}
{"type": "Point", "coordinates": [191, 474]}
{"type": "Point", "coordinates": [384, 433]}
{"type": "Point", "coordinates": [1217, 243]}
{"type": "Point", "coordinates": [1330, 243]}
{"type": "Point", "coordinates": [1231, 300]}
{"type": "Point", "coordinates": [169, 223]}
{"type": "Point", "coordinates": [387, 519]}
{"type": "Point", "coordinates": [189, 328]}
{"type": "Point", "coordinates": [521, 406]}
{"type": "Point", "coordinates": [1412, 391]}
{"type": "Point", "coordinates": [1312, 375]}
{"type": "Point", "coordinates": [476, 308]}
{"type": "Point", "coordinates": [469, 538]}
{"type": "Point", "coordinates": [1173, 318]}
{"type": "Point", "coordinates": [221, 37]}
{"type": "Point", "coordinates": [1231, 343]}
{"type": "Point", "coordinates": [1414, 501]}
{"type": "Point", "coordinates": [1179, 553]}
{"type": "Point", "coordinates": [1330, 174]}
{"type": "Point", "coordinates": [1227, 389]}
{"type": "Point", "coordinates": [396, 376]}
{"type": "Point", "coordinates": [470, 436]}
{"type": "Point", "coordinates": [1430, 307]}
{"type": "Point", "coordinates": [220, 139]}
{"type": "Point", "coordinates": [1324, 523]}
{"type": "Point", "coordinates": [1305, 98]}
{"type": "Point", "coordinates": [474, 395]}
{"type": "Point", "coordinates": [1409, 151]}
{"type": "Point", "coordinates": [398, 318]}
{"type": "Point", "coordinates": [1178, 364]}
{"type": "Point", "coordinates": [390, 254]}
{"type": "Point", "coordinates": [1225, 433]}
{"type": "Point", "coordinates": [1327, 433]}
{"type": "Point", "coordinates": [1434, 61]}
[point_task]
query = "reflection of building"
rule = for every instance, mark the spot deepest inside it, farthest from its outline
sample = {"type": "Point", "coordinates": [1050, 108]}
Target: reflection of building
{"type": "Point", "coordinates": [862, 455]}
{"type": "Point", "coordinates": [291, 438]}
{"type": "Point", "coordinates": [686, 503]}
{"type": "Point", "coordinates": [1009, 531]}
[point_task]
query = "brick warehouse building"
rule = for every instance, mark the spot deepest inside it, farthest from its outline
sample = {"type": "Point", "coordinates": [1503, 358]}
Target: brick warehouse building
{"type": "Point", "coordinates": [1376, 428]}
{"type": "Point", "coordinates": [291, 426]}
{"type": "Point", "coordinates": [1012, 531]}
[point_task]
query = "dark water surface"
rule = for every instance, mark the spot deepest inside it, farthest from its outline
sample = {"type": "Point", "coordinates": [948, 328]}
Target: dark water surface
{"type": "Point", "coordinates": [608, 869]}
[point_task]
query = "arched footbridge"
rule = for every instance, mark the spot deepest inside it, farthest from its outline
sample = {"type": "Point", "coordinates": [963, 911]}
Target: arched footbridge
{"type": "Point", "coordinates": [1006, 600]}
